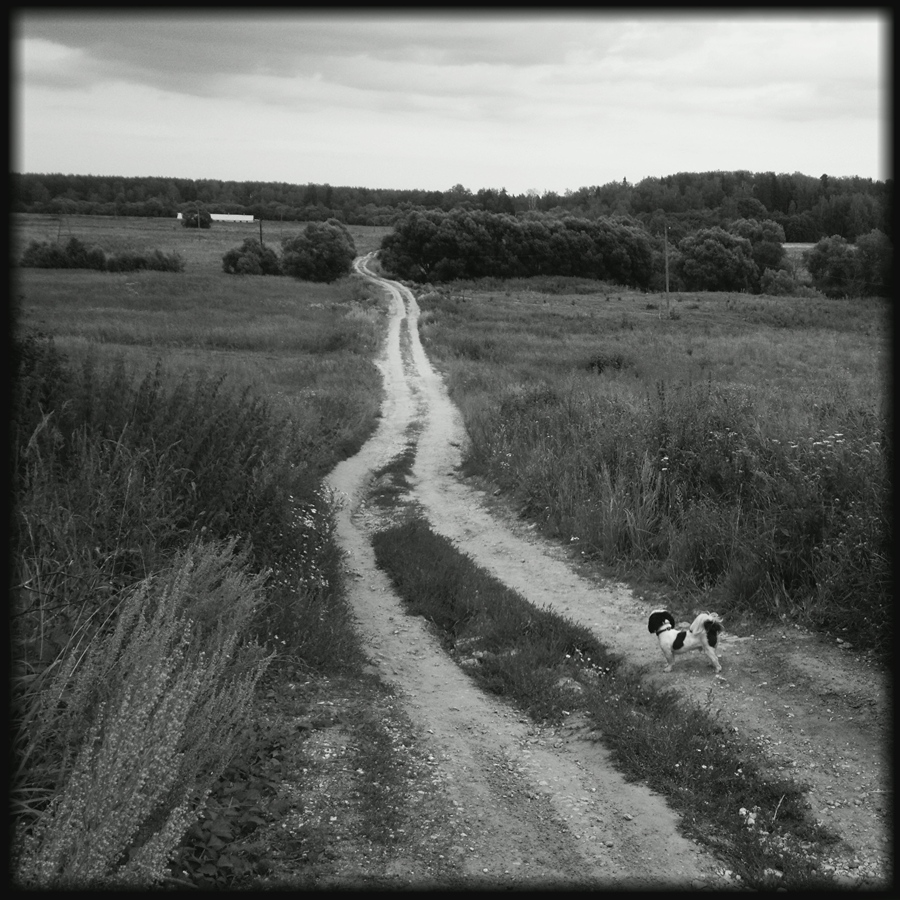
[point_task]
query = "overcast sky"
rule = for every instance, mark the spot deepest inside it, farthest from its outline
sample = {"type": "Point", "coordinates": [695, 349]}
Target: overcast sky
{"type": "Point", "coordinates": [431, 100]}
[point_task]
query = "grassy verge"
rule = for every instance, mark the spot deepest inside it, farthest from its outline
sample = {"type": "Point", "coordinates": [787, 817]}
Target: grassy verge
{"type": "Point", "coordinates": [169, 546]}
{"type": "Point", "coordinates": [545, 664]}
{"type": "Point", "coordinates": [736, 448]}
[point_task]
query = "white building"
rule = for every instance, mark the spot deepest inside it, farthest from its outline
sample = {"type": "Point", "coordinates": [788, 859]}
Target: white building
{"type": "Point", "coordinates": [226, 217]}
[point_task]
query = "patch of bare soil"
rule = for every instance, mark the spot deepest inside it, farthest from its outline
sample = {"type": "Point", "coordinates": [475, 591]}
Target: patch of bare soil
{"type": "Point", "coordinates": [487, 798]}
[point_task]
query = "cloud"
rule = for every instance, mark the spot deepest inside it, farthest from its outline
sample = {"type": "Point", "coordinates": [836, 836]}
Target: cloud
{"type": "Point", "coordinates": [578, 93]}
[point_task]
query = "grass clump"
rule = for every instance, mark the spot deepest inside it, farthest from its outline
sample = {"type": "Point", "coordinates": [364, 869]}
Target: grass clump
{"type": "Point", "coordinates": [131, 730]}
{"type": "Point", "coordinates": [550, 667]}
{"type": "Point", "coordinates": [523, 652]}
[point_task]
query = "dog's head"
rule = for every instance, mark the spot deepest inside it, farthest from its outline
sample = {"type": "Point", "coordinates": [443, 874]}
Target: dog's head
{"type": "Point", "coordinates": [658, 618]}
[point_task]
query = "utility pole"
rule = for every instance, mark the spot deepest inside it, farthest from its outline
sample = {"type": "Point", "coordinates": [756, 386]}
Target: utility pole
{"type": "Point", "coordinates": [666, 244]}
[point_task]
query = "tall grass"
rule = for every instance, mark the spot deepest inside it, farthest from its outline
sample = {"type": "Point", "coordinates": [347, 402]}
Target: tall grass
{"type": "Point", "coordinates": [168, 447]}
{"type": "Point", "coordinates": [131, 728]}
{"type": "Point", "coordinates": [741, 451]}
{"type": "Point", "coordinates": [134, 493]}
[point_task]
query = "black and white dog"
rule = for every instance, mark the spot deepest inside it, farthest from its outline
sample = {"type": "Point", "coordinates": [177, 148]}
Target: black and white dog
{"type": "Point", "coordinates": [702, 635]}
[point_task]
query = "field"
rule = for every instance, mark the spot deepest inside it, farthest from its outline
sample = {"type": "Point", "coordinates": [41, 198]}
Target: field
{"type": "Point", "coordinates": [729, 446]}
{"type": "Point", "coordinates": [202, 248]}
{"type": "Point", "coordinates": [727, 449]}
{"type": "Point", "coordinates": [170, 433]}
{"type": "Point", "coordinates": [305, 347]}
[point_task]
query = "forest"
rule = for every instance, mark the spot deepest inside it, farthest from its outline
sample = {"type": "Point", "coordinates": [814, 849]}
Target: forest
{"type": "Point", "coordinates": [807, 208]}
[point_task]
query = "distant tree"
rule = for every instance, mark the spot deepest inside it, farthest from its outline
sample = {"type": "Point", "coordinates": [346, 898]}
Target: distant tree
{"type": "Point", "coordinates": [324, 251]}
{"type": "Point", "coordinates": [714, 260]}
{"type": "Point", "coordinates": [251, 258]}
{"type": "Point", "coordinates": [75, 255]}
{"type": "Point", "coordinates": [766, 241]}
{"type": "Point", "coordinates": [834, 268]}
{"type": "Point", "coordinates": [875, 259]}
{"type": "Point", "coordinates": [840, 269]}
{"type": "Point", "coordinates": [189, 218]}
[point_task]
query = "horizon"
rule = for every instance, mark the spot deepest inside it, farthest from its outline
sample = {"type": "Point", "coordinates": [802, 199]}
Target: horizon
{"type": "Point", "coordinates": [473, 191]}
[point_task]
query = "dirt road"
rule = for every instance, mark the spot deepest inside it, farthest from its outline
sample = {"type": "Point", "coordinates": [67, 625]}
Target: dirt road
{"type": "Point", "coordinates": [544, 807]}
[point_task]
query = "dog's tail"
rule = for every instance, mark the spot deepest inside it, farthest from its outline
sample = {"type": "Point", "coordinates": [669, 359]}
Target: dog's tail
{"type": "Point", "coordinates": [711, 624]}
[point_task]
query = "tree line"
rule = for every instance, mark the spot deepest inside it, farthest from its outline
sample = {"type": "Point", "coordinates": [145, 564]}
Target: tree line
{"type": "Point", "coordinates": [443, 246]}
{"type": "Point", "coordinates": [807, 208]}
{"type": "Point", "coordinates": [747, 255]}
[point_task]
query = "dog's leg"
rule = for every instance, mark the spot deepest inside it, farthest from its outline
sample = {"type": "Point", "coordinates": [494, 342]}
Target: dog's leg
{"type": "Point", "coordinates": [670, 659]}
{"type": "Point", "coordinates": [714, 660]}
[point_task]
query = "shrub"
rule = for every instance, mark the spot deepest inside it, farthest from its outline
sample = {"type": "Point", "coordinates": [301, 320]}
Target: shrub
{"type": "Point", "coordinates": [766, 241]}
{"type": "Point", "coordinates": [711, 259]}
{"type": "Point", "coordinates": [834, 268]}
{"type": "Point", "coordinates": [162, 262]}
{"type": "Point", "coordinates": [875, 259]}
{"type": "Point", "coordinates": [251, 258]}
{"type": "Point", "coordinates": [323, 252]}
{"type": "Point", "coordinates": [75, 255]}
{"type": "Point", "coordinates": [783, 283]}
{"type": "Point", "coordinates": [143, 720]}
{"type": "Point", "coordinates": [44, 255]}
{"type": "Point", "coordinates": [190, 216]}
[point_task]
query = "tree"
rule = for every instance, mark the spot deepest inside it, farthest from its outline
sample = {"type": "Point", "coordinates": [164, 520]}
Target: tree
{"type": "Point", "coordinates": [190, 215]}
{"type": "Point", "coordinates": [766, 241]}
{"type": "Point", "coordinates": [840, 269]}
{"type": "Point", "coordinates": [834, 268]}
{"type": "Point", "coordinates": [875, 258]}
{"type": "Point", "coordinates": [251, 258]}
{"type": "Point", "coordinates": [714, 260]}
{"type": "Point", "coordinates": [324, 251]}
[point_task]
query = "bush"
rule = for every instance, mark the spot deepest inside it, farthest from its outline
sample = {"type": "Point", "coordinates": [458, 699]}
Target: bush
{"type": "Point", "coordinates": [76, 255]}
{"type": "Point", "coordinates": [189, 218]}
{"type": "Point", "coordinates": [834, 268]}
{"type": "Point", "coordinates": [711, 259]}
{"type": "Point", "coordinates": [781, 283]}
{"type": "Point", "coordinates": [132, 261]}
{"type": "Point", "coordinates": [251, 258]}
{"type": "Point", "coordinates": [323, 252]}
{"type": "Point", "coordinates": [44, 255]}
{"type": "Point", "coordinates": [162, 262]}
{"type": "Point", "coordinates": [840, 269]}
{"type": "Point", "coordinates": [142, 721]}
{"type": "Point", "coordinates": [766, 241]}
{"type": "Point", "coordinates": [875, 258]}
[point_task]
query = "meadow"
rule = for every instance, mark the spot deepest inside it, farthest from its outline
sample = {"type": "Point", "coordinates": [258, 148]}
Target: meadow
{"type": "Point", "coordinates": [170, 433]}
{"type": "Point", "coordinates": [173, 547]}
{"type": "Point", "coordinates": [731, 447]}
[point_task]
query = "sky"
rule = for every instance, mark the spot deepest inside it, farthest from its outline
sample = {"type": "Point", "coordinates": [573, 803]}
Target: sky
{"type": "Point", "coordinates": [429, 100]}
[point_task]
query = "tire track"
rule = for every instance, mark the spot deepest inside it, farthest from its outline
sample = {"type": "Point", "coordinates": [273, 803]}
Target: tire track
{"type": "Point", "coordinates": [532, 806]}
